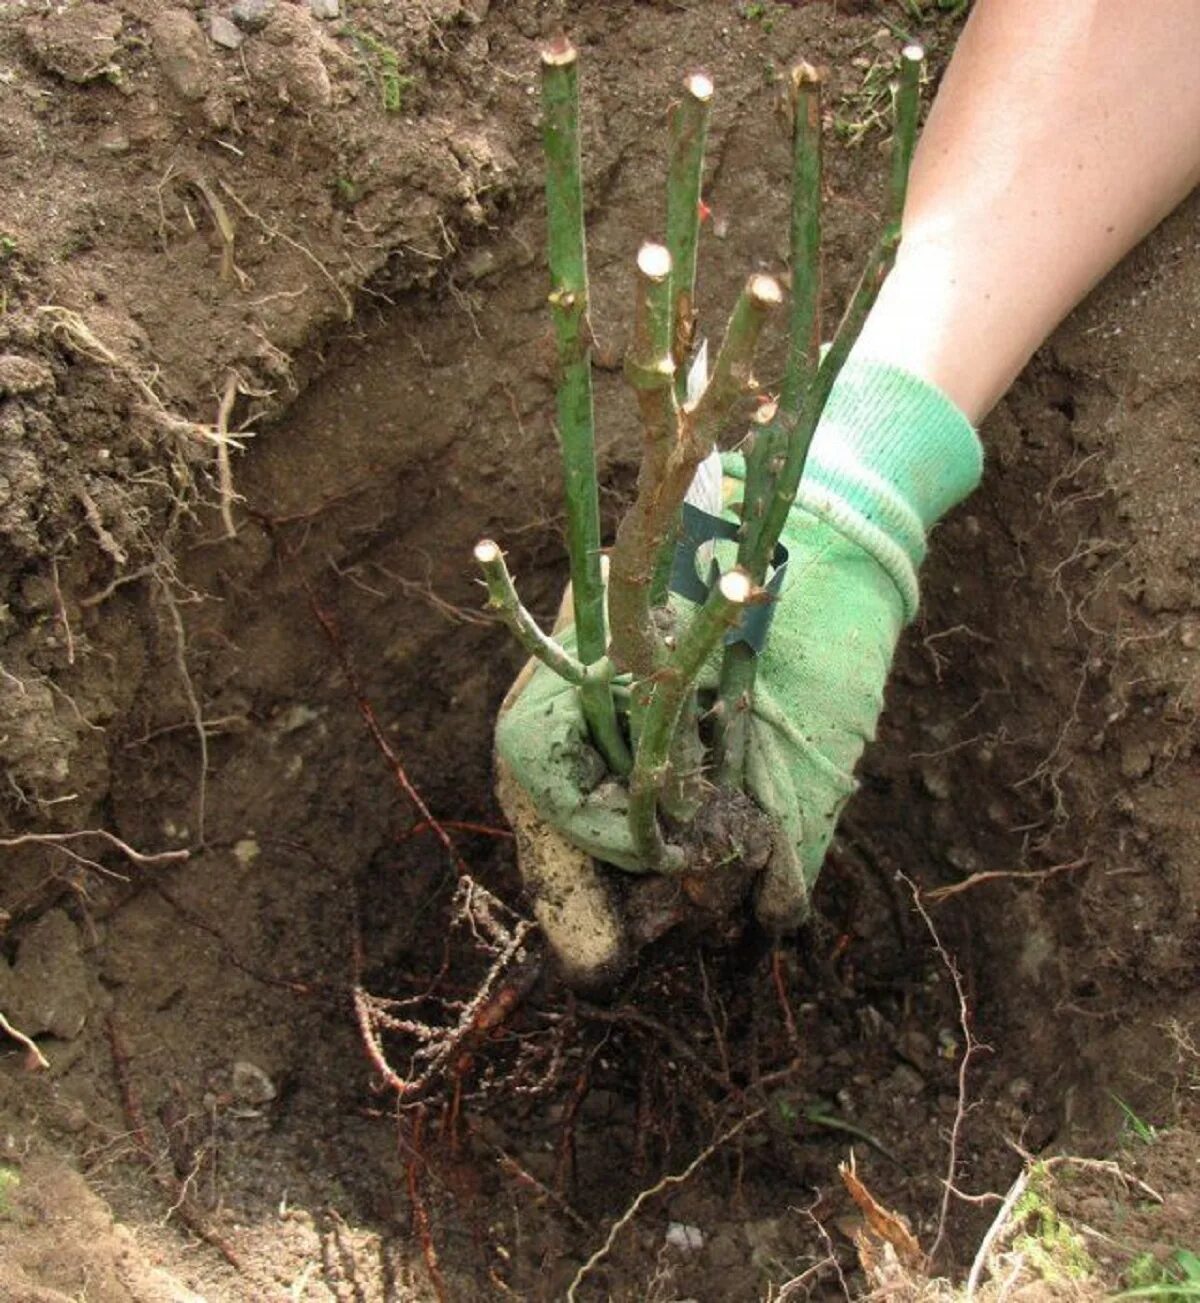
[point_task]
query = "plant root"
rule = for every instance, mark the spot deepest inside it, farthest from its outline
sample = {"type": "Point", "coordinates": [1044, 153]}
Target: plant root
{"type": "Point", "coordinates": [667, 1182]}
{"type": "Point", "coordinates": [176, 1191]}
{"type": "Point", "coordinates": [35, 1060]}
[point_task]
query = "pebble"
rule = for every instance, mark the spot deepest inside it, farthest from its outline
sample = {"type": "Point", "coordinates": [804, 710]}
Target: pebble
{"type": "Point", "coordinates": [251, 1085]}
{"type": "Point", "coordinates": [1136, 760]}
{"type": "Point", "coordinates": [325, 8]}
{"type": "Point", "coordinates": [252, 15]}
{"type": "Point", "coordinates": [963, 858]}
{"type": "Point", "coordinates": [680, 1235]}
{"type": "Point", "coordinates": [917, 1048]}
{"type": "Point", "coordinates": [225, 33]}
{"type": "Point", "coordinates": [114, 141]}
{"type": "Point", "coordinates": [906, 1081]}
{"type": "Point", "coordinates": [936, 782]}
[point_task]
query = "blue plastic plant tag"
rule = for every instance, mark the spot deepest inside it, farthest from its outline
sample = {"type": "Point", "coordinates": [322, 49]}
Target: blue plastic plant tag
{"type": "Point", "coordinates": [697, 528]}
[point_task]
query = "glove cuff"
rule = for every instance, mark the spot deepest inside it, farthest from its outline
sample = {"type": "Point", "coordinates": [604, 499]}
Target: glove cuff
{"type": "Point", "coordinates": [891, 456]}
{"type": "Point", "coordinates": [892, 431]}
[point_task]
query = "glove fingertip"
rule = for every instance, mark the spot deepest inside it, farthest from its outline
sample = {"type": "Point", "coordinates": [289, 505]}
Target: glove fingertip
{"type": "Point", "coordinates": [782, 901]}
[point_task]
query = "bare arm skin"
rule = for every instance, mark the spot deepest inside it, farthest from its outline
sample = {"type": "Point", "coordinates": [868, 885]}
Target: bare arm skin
{"type": "Point", "coordinates": [1064, 130]}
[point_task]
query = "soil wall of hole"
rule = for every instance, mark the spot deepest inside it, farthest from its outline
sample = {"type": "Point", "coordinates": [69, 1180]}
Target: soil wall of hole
{"type": "Point", "coordinates": [1041, 718]}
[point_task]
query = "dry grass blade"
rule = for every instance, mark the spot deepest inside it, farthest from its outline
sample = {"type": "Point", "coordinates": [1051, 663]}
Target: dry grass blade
{"type": "Point", "coordinates": [886, 1225]}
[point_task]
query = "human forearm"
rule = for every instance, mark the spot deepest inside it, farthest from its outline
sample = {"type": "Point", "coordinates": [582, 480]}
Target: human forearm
{"type": "Point", "coordinates": [1061, 134]}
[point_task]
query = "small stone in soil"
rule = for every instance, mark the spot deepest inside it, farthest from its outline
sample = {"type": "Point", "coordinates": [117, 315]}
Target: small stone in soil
{"type": "Point", "coordinates": [1136, 760]}
{"type": "Point", "coordinates": [224, 33]}
{"type": "Point", "coordinates": [251, 1085]}
{"type": "Point", "coordinates": [252, 15]}
{"type": "Point", "coordinates": [916, 1047]}
{"type": "Point", "coordinates": [936, 783]}
{"type": "Point", "coordinates": [325, 8]}
{"type": "Point", "coordinates": [114, 141]}
{"type": "Point", "coordinates": [906, 1081]}
{"type": "Point", "coordinates": [690, 1239]}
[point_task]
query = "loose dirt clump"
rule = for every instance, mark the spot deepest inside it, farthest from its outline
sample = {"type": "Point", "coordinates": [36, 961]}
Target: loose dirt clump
{"type": "Point", "coordinates": [273, 355]}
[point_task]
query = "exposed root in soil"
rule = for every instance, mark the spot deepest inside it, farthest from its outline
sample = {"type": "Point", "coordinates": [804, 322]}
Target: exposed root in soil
{"type": "Point", "coordinates": [72, 328]}
{"type": "Point", "coordinates": [938, 894]}
{"type": "Point", "coordinates": [181, 1204]}
{"type": "Point", "coordinates": [420, 1214]}
{"type": "Point", "coordinates": [35, 1060]}
{"type": "Point", "coordinates": [970, 1048]}
{"type": "Point", "coordinates": [505, 940]}
{"type": "Point", "coordinates": [274, 233]}
{"type": "Point", "coordinates": [664, 1183]}
{"type": "Point", "coordinates": [60, 841]}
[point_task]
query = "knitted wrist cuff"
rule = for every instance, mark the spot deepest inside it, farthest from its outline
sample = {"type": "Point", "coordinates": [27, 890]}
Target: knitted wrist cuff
{"type": "Point", "coordinates": [891, 455]}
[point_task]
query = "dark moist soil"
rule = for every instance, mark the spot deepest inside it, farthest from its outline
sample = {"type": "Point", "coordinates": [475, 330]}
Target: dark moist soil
{"type": "Point", "coordinates": [210, 1124]}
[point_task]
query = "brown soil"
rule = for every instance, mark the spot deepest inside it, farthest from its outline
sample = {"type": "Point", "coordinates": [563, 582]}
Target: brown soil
{"type": "Point", "coordinates": [378, 300]}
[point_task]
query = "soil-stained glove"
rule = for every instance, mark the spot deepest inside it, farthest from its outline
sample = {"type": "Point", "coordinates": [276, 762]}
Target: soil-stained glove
{"type": "Point", "coordinates": [891, 456]}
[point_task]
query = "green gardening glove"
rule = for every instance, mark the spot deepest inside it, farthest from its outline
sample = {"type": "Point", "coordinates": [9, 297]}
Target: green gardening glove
{"type": "Point", "coordinates": [890, 457]}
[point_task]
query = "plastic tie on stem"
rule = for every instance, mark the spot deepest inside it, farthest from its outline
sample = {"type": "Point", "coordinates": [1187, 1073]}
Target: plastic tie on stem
{"type": "Point", "coordinates": [700, 527]}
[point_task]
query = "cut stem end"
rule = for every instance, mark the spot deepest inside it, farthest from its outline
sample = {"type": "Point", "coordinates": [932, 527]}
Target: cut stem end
{"type": "Point", "coordinates": [765, 290]}
{"type": "Point", "coordinates": [654, 261]}
{"type": "Point", "coordinates": [699, 86]}
{"type": "Point", "coordinates": [559, 53]}
{"type": "Point", "coordinates": [736, 586]}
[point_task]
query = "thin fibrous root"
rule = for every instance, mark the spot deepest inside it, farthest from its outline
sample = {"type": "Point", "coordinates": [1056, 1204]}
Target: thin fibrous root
{"type": "Point", "coordinates": [669, 1181]}
{"type": "Point", "coordinates": [58, 841]}
{"type": "Point", "coordinates": [79, 335]}
{"type": "Point", "coordinates": [224, 469]}
{"type": "Point", "coordinates": [971, 1047]}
